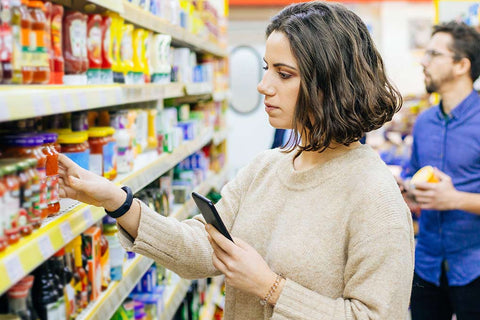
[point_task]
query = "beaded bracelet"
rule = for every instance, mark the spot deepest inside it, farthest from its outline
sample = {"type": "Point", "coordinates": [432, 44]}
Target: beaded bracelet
{"type": "Point", "coordinates": [272, 290]}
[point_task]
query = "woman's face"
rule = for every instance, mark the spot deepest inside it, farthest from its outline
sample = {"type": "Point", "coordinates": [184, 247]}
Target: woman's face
{"type": "Point", "coordinates": [281, 82]}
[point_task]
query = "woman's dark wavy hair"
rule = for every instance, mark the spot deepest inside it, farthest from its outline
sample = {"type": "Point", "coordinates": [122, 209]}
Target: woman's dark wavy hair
{"type": "Point", "coordinates": [344, 91]}
{"type": "Point", "coordinates": [465, 44]}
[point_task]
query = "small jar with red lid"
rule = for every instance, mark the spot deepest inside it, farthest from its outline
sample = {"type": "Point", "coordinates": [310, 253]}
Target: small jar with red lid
{"type": "Point", "coordinates": [12, 203]}
{"type": "Point", "coordinates": [3, 191]}
{"type": "Point", "coordinates": [30, 146]}
{"type": "Point", "coordinates": [49, 150]}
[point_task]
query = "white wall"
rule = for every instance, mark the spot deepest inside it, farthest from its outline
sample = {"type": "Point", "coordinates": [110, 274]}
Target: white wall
{"type": "Point", "coordinates": [389, 21]}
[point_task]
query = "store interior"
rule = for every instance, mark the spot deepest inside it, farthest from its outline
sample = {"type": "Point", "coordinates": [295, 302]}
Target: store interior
{"type": "Point", "coordinates": [160, 96]}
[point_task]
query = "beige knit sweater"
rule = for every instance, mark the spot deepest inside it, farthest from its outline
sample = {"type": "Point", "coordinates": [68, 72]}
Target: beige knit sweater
{"type": "Point", "coordinates": [340, 233]}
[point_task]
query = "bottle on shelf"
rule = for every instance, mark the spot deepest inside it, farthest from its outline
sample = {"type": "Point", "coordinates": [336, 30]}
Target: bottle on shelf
{"type": "Point", "coordinates": [6, 47]}
{"type": "Point", "coordinates": [26, 36]}
{"type": "Point", "coordinates": [39, 49]}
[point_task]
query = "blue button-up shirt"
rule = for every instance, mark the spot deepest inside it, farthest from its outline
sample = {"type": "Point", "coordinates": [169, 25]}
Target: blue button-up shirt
{"type": "Point", "coordinates": [452, 144]}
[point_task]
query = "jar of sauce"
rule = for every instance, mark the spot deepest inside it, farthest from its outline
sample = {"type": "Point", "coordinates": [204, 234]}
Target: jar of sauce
{"type": "Point", "coordinates": [12, 203]}
{"type": "Point", "coordinates": [75, 146]}
{"type": "Point", "coordinates": [97, 139]}
{"type": "Point", "coordinates": [49, 150]}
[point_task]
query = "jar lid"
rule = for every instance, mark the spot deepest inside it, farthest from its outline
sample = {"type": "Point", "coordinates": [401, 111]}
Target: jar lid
{"type": "Point", "coordinates": [98, 132]}
{"type": "Point", "coordinates": [22, 140]}
{"type": "Point", "coordinates": [32, 162]}
{"type": "Point", "coordinates": [23, 165]}
{"type": "Point", "coordinates": [50, 137]}
{"type": "Point", "coordinates": [73, 137]}
{"type": "Point", "coordinates": [9, 169]}
{"type": "Point", "coordinates": [36, 4]}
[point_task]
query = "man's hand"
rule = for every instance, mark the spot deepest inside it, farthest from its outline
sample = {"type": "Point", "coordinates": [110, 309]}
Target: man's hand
{"type": "Point", "coordinates": [437, 196]}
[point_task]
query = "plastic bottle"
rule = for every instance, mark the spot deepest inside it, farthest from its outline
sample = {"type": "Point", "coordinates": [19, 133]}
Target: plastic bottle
{"type": "Point", "coordinates": [45, 293]}
{"type": "Point", "coordinates": [94, 47]}
{"type": "Point", "coordinates": [126, 51]}
{"type": "Point", "coordinates": [106, 73]}
{"type": "Point", "coordinates": [48, 10]}
{"type": "Point", "coordinates": [6, 48]}
{"type": "Point", "coordinates": [3, 190]}
{"type": "Point", "coordinates": [39, 52]}
{"type": "Point", "coordinates": [26, 36]}
{"type": "Point", "coordinates": [75, 43]}
{"type": "Point", "coordinates": [56, 44]}
{"type": "Point", "coordinates": [17, 62]}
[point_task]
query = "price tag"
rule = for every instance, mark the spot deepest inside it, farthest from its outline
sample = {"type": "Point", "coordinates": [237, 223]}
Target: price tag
{"type": "Point", "coordinates": [46, 247]}
{"type": "Point", "coordinates": [39, 107]}
{"type": "Point", "coordinates": [14, 268]}
{"type": "Point", "coordinates": [4, 114]}
{"type": "Point", "coordinates": [82, 97]}
{"type": "Point", "coordinates": [67, 233]}
{"type": "Point", "coordinates": [56, 103]}
{"type": "Point", "coordinates": [87, 215]}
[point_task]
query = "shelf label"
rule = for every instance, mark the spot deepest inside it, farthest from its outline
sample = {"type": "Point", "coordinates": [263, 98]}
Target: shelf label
{"type": "Point", "coordinates": [39, 107]}
{"type": "Point", "coordinates": [4, 114]}
{"type": "Point", "coordinates": [82, 97]}
{"type": "Point", "coordinates": [14, 268]}
{"type": "Point", "coordinates": [56, 103]}
{"type": "Point", "coordinates": [67, 233]}
{"type": "Point", "coordinates": [88, 217]}
{"type": "Point", "coordinates": [46, 247]}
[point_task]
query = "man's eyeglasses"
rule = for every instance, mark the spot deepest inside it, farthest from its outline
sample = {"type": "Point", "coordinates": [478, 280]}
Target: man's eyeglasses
{"type": "Point", "coordinates": [431, 54]}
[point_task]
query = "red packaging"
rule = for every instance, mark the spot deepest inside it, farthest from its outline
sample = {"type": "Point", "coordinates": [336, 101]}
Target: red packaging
{"type": "Point", "coordinates": [94, 42]}
{"type": "Point", "coordinates": [75, 43]}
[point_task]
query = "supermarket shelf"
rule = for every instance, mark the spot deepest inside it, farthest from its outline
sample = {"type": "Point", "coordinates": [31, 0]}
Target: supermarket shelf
{"type": "Point", "coordinates": [147, 20]}
{"type": "Point", "coordinates": [109, 301]}
{"type": "Point", "coordinates": [213, 293]}
{"type": "Point", "coordinates": [21, 258]}
{"type": "Point", "coordinates": [221, 95]}
{"type": "Point", "coordinates": [112, 5]}
{"type": "Point", "coordinates": [174, 295]}
{"type": "Point", "coordinates": [22, 102]}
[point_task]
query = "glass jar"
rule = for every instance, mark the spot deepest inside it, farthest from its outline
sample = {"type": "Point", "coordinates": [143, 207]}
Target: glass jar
{"type": "Point", "coordinates": [32, 174]}
{"type": "Point", "coordinates": [97, 139]}
{"type": "Point", "coordinates": [49, 150]}
{"type": "Point", "coordinates": [75, 146]}
{"type": "Point", "coordinates": [26, 210]}
{"type": "Point", "coordinates": [12, 203]}
{"type": "Point", "coordinates": [3, 191]}
{"type": "Point", "coordinates": [30, 146]}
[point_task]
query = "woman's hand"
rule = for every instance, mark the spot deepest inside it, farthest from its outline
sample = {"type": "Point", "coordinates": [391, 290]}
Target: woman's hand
{"type": "Point", "coordinates": [243, 267]}
{"type": "Point", "coordinates": [85, 186]}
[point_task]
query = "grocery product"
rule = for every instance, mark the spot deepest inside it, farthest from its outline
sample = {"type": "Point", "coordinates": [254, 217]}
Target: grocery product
{"type": "Point", "coordinates": [75, 43]}
{"type": "Point", "coordinates": [425, 174]}
{"type": "Point", "coordinates": [75, 146]}
{"type": "Point", "coordinates": [56, 30]}
{"type": "Point", "coordinates": [94, 48]}
{"type": "Point", "coordinates": [38, 44]}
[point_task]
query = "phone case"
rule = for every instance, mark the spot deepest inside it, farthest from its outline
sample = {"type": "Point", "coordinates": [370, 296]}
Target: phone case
{"type": "Point", "coordinates": [210, 214]}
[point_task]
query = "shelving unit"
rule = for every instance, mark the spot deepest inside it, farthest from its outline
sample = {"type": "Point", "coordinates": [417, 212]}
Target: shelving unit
{"type": "Point", "coordinates": [117, 291]}
{"type": "Point", "coordinates": [180, 36]}
{"type": "Point", "coordinates": [173, 297]}
{"type": "Point", "coordinates": [19, 259]}
{"type": "Point", "coordinates": [105, 306]}
{"type": "Point", "coordinates": [24, 102]}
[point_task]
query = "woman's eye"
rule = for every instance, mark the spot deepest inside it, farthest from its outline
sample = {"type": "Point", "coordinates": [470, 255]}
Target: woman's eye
{"type": "Point", "coordinates": [284, 75]}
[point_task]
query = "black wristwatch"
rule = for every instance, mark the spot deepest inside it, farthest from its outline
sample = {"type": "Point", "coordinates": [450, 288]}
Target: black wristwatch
{"type": "Point", "coordinates": [124, 207]}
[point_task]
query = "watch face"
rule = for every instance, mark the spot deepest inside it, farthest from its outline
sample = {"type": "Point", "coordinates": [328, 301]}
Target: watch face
{"type": "Point", "coordinates": [245, 73]}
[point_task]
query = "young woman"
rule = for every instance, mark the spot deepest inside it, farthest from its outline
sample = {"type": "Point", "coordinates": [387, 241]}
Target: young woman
{"type": "Point", "coordinates": [321, 230]}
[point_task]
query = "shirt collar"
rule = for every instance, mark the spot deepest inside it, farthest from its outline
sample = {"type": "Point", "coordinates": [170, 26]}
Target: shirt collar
{"type": "Point", "coordinates": [461, 110]}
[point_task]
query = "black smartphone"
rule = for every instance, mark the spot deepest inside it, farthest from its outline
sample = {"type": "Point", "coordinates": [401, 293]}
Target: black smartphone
{"type": "Point", "coordinates": [210, 214]}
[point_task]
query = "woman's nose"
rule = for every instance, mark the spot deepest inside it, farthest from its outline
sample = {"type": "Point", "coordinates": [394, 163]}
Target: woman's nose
{"type": "Point", "coordinates": [264, 88]}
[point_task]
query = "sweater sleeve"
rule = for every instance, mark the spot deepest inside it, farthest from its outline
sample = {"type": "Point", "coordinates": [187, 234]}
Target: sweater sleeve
{"type": "Point", "coordinates": [375, 284]}
{"type": "Point", "coordinates": [182, 246]}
